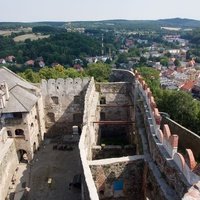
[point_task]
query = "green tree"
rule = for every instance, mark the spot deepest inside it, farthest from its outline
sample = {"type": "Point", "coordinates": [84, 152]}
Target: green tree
{"type": "Point", "coordinates": [122, 58]}
{"type": "Point", "coordinates": [31, 76]}
{"type": "Point", "coordinates": [151, 77]}
{"type": "Point", "coordinates": [100, 71]}
{"type": "Point", "coordinates": [143, 60]}
{"type": "Point", "coordinates": [181, 107]}
{"type": "Point", "coordinates": [177, 63]}
{"type": "Point", "coordinates": [164, 61]}
{"type": "Point", "coordinates": [73, 73]}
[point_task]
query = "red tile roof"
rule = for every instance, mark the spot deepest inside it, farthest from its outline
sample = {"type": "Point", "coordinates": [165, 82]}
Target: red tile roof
{"type": "Point", "coordinates": [188, 85]}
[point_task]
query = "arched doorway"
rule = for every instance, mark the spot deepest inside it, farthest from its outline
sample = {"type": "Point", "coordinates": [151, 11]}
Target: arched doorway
{"type": "Point", "coordinates": [22, 156]}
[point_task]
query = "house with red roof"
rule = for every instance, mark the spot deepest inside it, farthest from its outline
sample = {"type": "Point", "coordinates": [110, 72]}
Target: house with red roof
{"type": "Point", "coordinates": [188, 85]}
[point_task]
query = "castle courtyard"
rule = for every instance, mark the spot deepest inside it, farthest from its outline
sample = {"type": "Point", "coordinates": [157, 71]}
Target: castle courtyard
{"type": "Point", "coordinates": [49, 174]}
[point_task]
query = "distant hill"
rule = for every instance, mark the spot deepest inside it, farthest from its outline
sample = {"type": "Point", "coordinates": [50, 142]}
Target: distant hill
{"type": "Point", "coordinates": [180, 22]}
{"type": "Point", "coordinates": [112, 24]}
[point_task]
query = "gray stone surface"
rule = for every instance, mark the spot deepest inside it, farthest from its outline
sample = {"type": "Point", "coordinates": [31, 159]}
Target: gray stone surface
{"type": "Point", "coordinates": [58, 165]}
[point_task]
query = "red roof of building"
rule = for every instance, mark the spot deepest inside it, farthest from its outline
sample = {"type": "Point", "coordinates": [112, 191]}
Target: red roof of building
{"type": "Point", "coordinates": [188, 85]}
{"type": "Point", "coordinates": [180, 69]}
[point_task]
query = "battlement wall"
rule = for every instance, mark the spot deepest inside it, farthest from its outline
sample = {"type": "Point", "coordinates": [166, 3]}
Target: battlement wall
{"type": "Point", "coordinates": [66, 87]}
{"type": "Point", "coordinates": [177, 169]}
{"type": "Point", "coordinates": [187, 138]}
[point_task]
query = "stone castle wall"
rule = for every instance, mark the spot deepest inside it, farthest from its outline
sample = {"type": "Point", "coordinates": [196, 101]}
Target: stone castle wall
{"type": "Point", "coordinates": [115, 94]}
{"type": "Point", "coordinates": [187, 138]}
{"type": "Point", "coordinates": [88, 139]}
{"type": "Point", "coordinates": [168, 174]}
{"type": "Point", "coordinates": [63, 104]}
{"type": "Point", "coordinates": [8, 162]}
{"type": "Point", "coordinates": [112, 151]}
{"type": "Point", "coordinates": [115, 105]}
{"type": "Point", "coordinates": [126, 171]}
{"type": "Point", "coordinates": [177, 169]}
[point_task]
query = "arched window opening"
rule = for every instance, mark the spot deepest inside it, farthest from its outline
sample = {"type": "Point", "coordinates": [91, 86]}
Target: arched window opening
{"type": "Point", "coordinates": [50, 117]}
{"type": "Point", "coordinates": [9, 133]}
{"type": "Point", "coordinates": [103, 100]}
{"type": "Point", "coordinates": [22, 156]}
{"type": "Point", "coordinates": [55, 100]}
{"type": "Point", "coordinates": [19, 132]}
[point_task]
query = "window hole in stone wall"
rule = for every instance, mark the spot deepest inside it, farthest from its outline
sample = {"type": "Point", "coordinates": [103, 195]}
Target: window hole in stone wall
{"type": "Point", "coordinates": [103, 100]}
{"type": "Point", "coordinates": [50, 117]}
{"type": "Point", "coordinates": [34, 147]}
{"type": "Point", "coordinates": [19, 132]}
{"type": "Point", "coordinates": [22, 156]}
{"type": "Point", "coordinates": [9, 133]}
{"type": "Point", "coordinates": [55, 100]}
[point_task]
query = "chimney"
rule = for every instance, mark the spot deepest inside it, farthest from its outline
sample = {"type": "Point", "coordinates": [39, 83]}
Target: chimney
{"type": "Point", "coordinates": [2, 101]}
{"type": "Point", "coordinates": [6, 91]}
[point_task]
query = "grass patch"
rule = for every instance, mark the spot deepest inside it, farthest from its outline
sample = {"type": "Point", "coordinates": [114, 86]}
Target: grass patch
{"type": "Point", "coordinates": [32, 36]}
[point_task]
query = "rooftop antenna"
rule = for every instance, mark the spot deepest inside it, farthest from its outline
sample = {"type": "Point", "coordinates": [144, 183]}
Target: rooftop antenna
{"type": "Point", "coordinates": [110, 54]}
{"type": "Point", "coordinates": [102, 46]}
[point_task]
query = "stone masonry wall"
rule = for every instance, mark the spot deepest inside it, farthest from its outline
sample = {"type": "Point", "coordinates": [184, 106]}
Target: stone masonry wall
{"type": "Point", "coordinates": [63, 104]}
{"type": "Point", "coordinates": [187, 138]}
{"type": "Point", "coordinates": [176, 169]}
{"type": "Point", "coordinates": [112, 151]}
{"type": "Point", "coordinates": [88, 139]}
{"type": "Point", "coordinates": [115, 94]}
{"type": "Point", "coordinates": [129, 173]}
{"type": "Point", "coordinates": [152, 187]}
{"type": "Point", "coordinates": [8, 164]}
{"type": "Point", "coordinates": [116, 105]}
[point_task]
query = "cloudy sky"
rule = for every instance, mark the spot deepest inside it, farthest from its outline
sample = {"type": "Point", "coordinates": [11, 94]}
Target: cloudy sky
{"type": "Point", "coordinates": [67, 10]}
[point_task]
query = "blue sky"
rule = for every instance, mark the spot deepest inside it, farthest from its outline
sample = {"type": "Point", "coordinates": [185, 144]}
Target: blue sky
{"type": "Point", "coordinates": [66, 10]}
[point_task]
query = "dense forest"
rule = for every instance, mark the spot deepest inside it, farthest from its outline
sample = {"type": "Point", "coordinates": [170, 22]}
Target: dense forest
{"type": "Point", "coordinates": [62, 48]}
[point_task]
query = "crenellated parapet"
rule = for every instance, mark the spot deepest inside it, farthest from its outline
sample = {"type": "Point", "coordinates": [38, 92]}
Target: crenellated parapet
{"type": "Point", "coordinates": [66, 87]}
{"type": "Point", "coordinates": [163, 144]}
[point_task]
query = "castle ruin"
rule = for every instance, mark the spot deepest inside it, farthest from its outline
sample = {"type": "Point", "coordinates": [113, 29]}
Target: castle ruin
{"type": "Point", "coordinates": [126, 149]}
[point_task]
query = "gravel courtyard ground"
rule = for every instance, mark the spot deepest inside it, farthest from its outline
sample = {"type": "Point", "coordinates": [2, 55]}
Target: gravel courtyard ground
{"type": "Point", "coordinates": [50, 173]}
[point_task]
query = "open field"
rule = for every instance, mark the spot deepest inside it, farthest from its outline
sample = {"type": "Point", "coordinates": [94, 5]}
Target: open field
{"type": "Point", "coordinates": [32, 36]}
{"type": "Point", "coordinates": [8, 32]}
